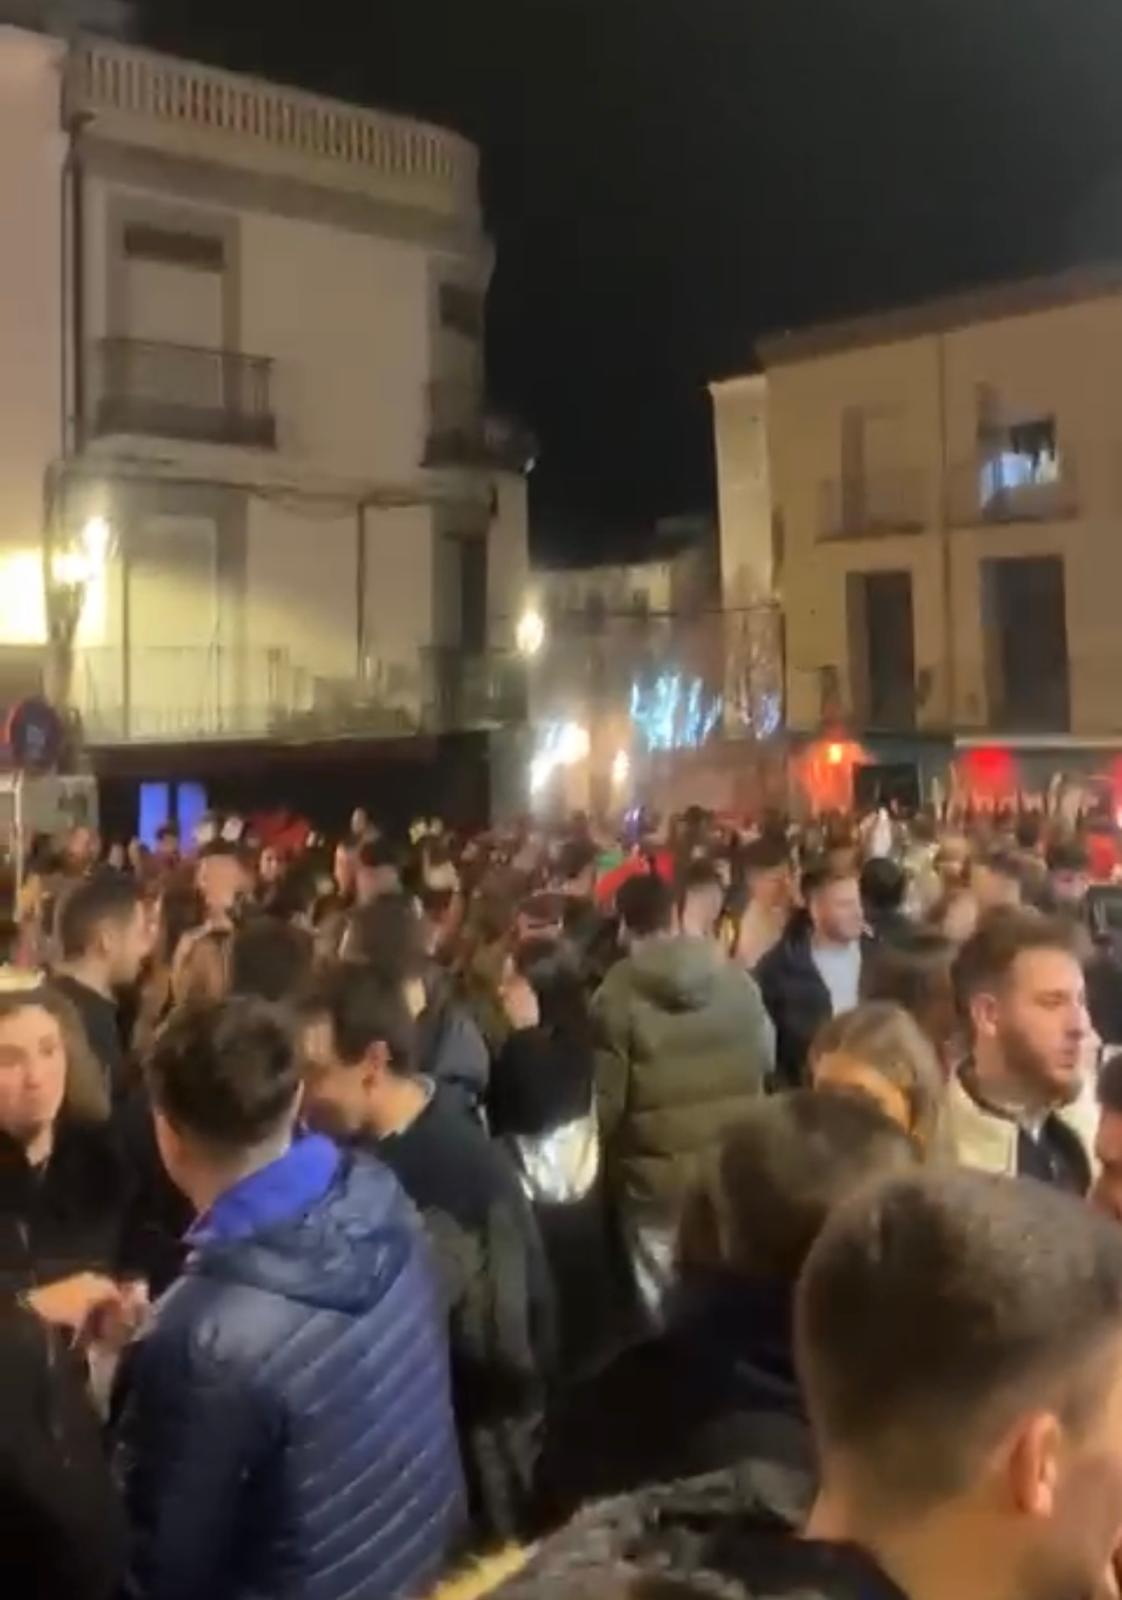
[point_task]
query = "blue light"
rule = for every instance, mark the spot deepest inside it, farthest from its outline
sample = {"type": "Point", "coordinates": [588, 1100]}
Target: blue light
{"type": "Point", "coordinates": [674, 715]}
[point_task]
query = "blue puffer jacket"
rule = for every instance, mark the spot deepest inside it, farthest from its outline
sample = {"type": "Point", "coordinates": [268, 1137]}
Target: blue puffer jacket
{"type": "Point", "coordinates": [286, 1429]}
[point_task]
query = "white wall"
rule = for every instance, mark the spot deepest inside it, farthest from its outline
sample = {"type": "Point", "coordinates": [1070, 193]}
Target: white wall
{"type": "Point", "coordinates": [300, 589]}
{"type": "Point", "coordinates": [508, 561]}
{"type": "Point", "coordinates": [400, 596]}
{"type": "Point", "coordinates": [32, 150]}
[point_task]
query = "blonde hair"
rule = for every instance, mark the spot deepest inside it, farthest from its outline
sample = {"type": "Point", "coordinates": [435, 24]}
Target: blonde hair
{"type": "Point", "coordinates": [887, 1040]}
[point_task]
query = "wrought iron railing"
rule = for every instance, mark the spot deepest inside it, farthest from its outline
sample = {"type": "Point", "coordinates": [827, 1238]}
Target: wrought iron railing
{"type": "Point", "coordinates": [183, 392]}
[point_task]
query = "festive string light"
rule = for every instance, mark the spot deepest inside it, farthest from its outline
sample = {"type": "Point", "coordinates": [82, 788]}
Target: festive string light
{"type": "Point", "coordinates": [674, 714]}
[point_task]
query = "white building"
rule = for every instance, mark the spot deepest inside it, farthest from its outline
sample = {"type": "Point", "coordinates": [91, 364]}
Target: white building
{"type": "Point", "coordinates": [242, 396]}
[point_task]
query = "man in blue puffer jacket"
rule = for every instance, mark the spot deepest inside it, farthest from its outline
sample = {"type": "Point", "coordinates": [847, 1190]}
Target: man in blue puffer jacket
{"type": "Point", "coordinates": [285, 1429]}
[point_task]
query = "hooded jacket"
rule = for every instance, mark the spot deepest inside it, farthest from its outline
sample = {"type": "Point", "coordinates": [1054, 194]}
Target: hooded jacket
{"type": "Point", "coordinates": [684, 1045]}
{"type": "Point", "coordinates": [286, 1425]}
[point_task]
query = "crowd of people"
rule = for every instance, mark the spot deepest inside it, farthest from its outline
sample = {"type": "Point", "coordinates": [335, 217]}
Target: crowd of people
{"type": "Point", "coordinates": [693, 1209]}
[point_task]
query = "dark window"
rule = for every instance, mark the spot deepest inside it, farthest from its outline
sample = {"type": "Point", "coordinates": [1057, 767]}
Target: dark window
{"type": "Point", "coordinates": [461, 310]}
{"type": "Point", "coordinates": [473, 595]}
{"type": "Point", "coordinates": [146, 243]}
{"type": "Point", "coordinates": [1024, 626]}
{"type": "Point", "coordinates": [882, 648]}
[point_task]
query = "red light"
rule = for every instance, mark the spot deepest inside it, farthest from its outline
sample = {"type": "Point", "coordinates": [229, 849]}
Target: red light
{"type": "Point", "coordinates": [835, 755]}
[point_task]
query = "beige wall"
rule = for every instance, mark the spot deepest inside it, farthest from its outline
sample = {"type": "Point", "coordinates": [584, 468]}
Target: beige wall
{"type": "Point", "coordinates": [32, 149]}
{"type": "Point", "coordinates": [1064, 362]}
{"type": "Point", "coordinates": [740, 415]}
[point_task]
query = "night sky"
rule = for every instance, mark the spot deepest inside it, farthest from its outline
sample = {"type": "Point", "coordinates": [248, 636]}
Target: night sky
{"type": "Point", "coordinates": [667, 179]}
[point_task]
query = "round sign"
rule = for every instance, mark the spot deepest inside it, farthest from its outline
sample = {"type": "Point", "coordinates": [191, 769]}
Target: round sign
{"type": "Point", "coordinates": [34, 735]}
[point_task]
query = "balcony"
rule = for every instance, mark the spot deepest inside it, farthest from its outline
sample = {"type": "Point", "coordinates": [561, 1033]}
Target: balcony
{"type": "Point", "coordinates": [877, 504]}
{"type": "Point", "coordinates": [460, 433]}
{"type": "Point", "coordinates": [158, 102]}
{"type": "Point", "coordinates": [181, 694]}
{"type": "Point", "coordinates": [1013, 489]}
{"type": "Point", "coordinates": [173, 391]}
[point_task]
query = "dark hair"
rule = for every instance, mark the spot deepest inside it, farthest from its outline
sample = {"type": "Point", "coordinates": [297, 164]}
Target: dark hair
{"type": "Point", "coordinates": [364, 1008]}
{"type": "Point", "coordinates": [270, 959]}
{"type": "Point", "coordinates": [380, 852]}
{"type": "Point", "coordinates": [646, 905]}
{"type": "Point", "coordinates": [1068, 855]}
{"type": "Point", "coordinates": [105, 896]}
{"type": "Point", "coordinates": [1001, 862]}
{"type": "Point", "coordinates": [225, 1073]}
{"type": "Point", "coordinates": [167, 830]}
{"type": "Point", "coordinates": [935, 1309]}
{"type": "Point", "coordinates": [987, 957]}
{"type": "Point", "coordinates": [883, 885]}
{"type": "Point", "coordinates": [765, 855]}
{"type": "Point", "coordinates": [552, 968]}
{"type": "Point", "coordinates": [388, 936]}
{"type": "Point", "coordinates": [825, 871]}
{"type": "Point", "coordinates": [1109, 1088]}
{"type": "Point", "coordinates": [914, 970]}
{"type": "Point", "coordinates": [779, 1172]}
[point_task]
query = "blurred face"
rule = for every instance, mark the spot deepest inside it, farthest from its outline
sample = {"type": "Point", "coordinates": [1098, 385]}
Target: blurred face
{"type": "Point", "coordinates": [960, 918]}
{"type": "Point", "coordinates": [1106, 1196]}
{"type": "Point", "coordinates": [127, 944]}
{"type": "Point", "coordinates": [360, 822]}
{"type": "Point", "coordinates": [32, 1073]}
{"type": "Point", "coordinates": [993, 889]}
{"type": "Point", "coordinates": [1070, 888]}
{"type": "Point", "coordinates": [774, 889]}
{"type": "Point", "coordinates": [836, 912]}
{"type": "Point", "coordinates": [269, 868]}
{"type": "Point", "coordinates": [1039, 1024]}
{"type": "Point", "coordinates": [220, 883]}
{"type": "Point", "coordinates": [335, 1094]}
{"type": "Point", "coordinates": [344, 870]}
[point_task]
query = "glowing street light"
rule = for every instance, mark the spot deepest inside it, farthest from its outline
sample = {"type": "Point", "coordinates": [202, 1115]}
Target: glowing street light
{"type": "Point", "coordinates": [529, 635]}
{"type": "Point", "coordinates": [621, 769]}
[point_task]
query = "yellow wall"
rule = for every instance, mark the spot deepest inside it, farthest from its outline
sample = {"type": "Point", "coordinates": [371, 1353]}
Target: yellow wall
{"type": "Point", "coordinates": [1064, 362]}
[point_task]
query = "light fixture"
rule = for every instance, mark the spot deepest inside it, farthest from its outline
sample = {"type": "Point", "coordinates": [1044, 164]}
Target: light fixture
{"type": "Point", "coordinates": [621, 769]}
{"type": "Point", "coordinates": [97, 536]}
{"type": "Point", "coordinates": [529, 635]}
{"type": "Point", "coordinates": [573, 744]}
{"type": "Point", "coordinates": [835, 754]}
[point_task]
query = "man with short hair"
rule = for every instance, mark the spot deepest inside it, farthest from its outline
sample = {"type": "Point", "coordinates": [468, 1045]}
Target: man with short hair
{"type": "Point", "coordinates": [884, 888]}
{"type": "Point", "coordinates": [1022, 998]}
{"type": "Point", "coordinates": [377, 870]}
{"type": "Point", "coordinates": [270, 959]}
{"type": "Point", "coordinates": [959, 1346]}
{"type": "Point", "coordinates": [769, 882]}
{"type": "Point", "coordinates": [684, 1045]}
{"type": "Point", "coordinates": [814, 973]}
{"type": "Point", "coordinates": [285, 1424]}
{"type": "Point", "coordinates": [105, 938]}
{"type": "Point", "coordinates": [1069, 874]}
{"type": "Point", "coordinates": [222, 882]}
{"type": "Point", "coordinates": [362, 1086]}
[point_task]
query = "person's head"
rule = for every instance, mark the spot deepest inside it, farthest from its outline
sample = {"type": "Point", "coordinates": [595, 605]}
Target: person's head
{"type": "Point", "coordinates": [225, 1085]}
{"type": "Point", "coordinates": [270, 959]}
{"type": "Point", "coordinates": [702, 897]}
{"type": "Point", "coordinates": [116, 856]}
{"type": "Point", "coordinates": [1020, 991]}
{"type": "Point", "coordinates": [358, 1049]}
{"type": "Point", "coordinates": [201, 972]}
{"type": "Point", "coordinates": [80, 849]}
{"type": "Point", "coordinates": [167, 844]}
{"type": "Point", "coordinates": [344, 867]}
{"type": "Point", "coordinates": [103, 925]}
{"type": "Point", "coordinates": [269, 867]}
{"type": "Point", "coordinates": [360, 823]}
{"type": "Point", "coordinates": [33, 1063]}
{"type": "Point", "coordinates": [767, 871]}
{"type": "Point", "coordinates": [1069, 872]}
{"type": "Point", "coordinates": [959, 1345]}
{"type": "Point", "coordinates": [833, 903]}
{"type": "Point", "coordinates": [913, 970]}
{"type": "Point", "coordinates": [1106, 1194]}
{"type": "Point", "coordinates": [879, 1052]}
{"type": "Point", "coordinates": [883, 888]}
{"type": "Point", "coordinates": [646, 908]}
{"type": "Point", "coordinates": [377, 870]}
{"type": "Point", "coordinates": [222, 880]}
{"type": "Point", "coordinates": [996, 881]}
{"type": "Point", "coordinates": [763, 1196]}
{"type": "Point", "coordinates": [576, 868]}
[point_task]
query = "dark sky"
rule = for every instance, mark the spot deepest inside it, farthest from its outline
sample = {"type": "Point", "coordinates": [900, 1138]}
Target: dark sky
{"type": "Point", "coordinates": [666, 179]}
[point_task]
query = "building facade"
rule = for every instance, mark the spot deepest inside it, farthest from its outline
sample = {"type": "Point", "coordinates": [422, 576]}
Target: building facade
{"type": "Point", "coordinates": [934, 496]}
{"type": "Point", "coordinates": [243, 407]}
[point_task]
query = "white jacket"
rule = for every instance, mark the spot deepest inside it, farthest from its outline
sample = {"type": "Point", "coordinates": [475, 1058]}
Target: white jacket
{"type": "Point", "coordinates": [987, 1142]}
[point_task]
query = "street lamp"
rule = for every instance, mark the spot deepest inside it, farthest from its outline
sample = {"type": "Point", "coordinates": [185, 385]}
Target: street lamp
{"type": "Point", "coordinates": [529, 634]}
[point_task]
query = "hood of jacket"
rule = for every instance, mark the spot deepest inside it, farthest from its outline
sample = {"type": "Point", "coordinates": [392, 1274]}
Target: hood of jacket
{"type": "Point", "coordinates": [737, 1526]}
{"type": "Point", "coordinates": [341, 1254]}
{"type": "Point", "coordinates": [678, 974]}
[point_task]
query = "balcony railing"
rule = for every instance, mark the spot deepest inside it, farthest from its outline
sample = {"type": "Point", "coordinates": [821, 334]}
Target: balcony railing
{"type": "Point", "coordinates": [876, 503]}
{"type": "Point", "coordinates": [1008, 489]}
{"type": "Point", "coordinates": [461, 433]}
{"type": "Point", "coordinates": [182, 694]}
{"type": "Point", "coordinates": [158, 100]}
{"type": "Point", "coordinates": [180, 392]}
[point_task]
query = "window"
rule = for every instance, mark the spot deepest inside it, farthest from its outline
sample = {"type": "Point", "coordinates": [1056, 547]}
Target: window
{"type": "Point", "coordinates": [461, 310]}
{"type": "Point", "coordinates": [1024, 456]}
{"type": "Point", "coordinates": [147, 243]}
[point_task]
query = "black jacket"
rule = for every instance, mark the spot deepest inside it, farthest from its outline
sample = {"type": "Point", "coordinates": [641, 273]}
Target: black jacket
{"type": "Point", "coordinates": [72, 1215]}
{"type": "Point", "coordinates": [64, 1530]}
{"type": "Point", "coordinates": [716, 1389]}
{"type": "Point", "coordinates": [736, 1528]}
{"type": "Point", "coordinates": [797, 1000]}
{"type": "Point", "coordinates": [500, 1298]}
